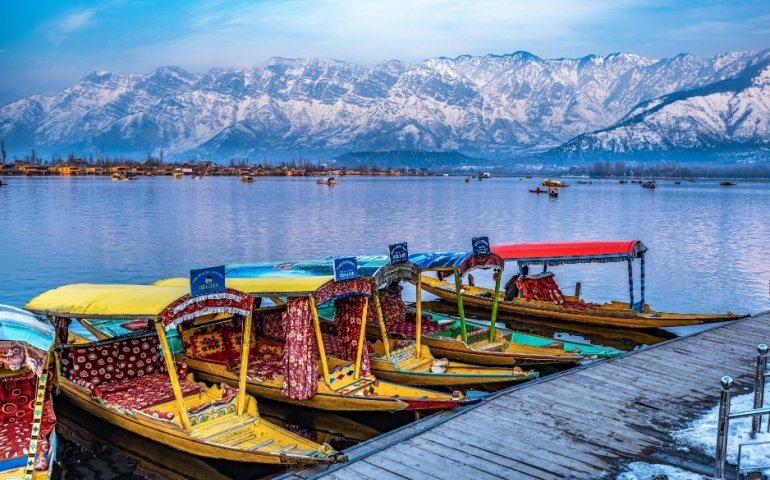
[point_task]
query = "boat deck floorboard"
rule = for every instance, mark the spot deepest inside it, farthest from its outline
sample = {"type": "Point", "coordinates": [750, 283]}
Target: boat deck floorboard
{"type": "Point", "coordinates": [584, 423]}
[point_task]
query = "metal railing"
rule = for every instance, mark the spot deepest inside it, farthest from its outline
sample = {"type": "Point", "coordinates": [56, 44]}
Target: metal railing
{"type": "Point", "coordinates": [756, 414]}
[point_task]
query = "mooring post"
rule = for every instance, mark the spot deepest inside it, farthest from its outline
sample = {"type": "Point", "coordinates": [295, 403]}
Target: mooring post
{"type": "Point", "coordinates": [759, 388]}
{"type": "Point", "coordinates": [722, 426]}
{"type": "Point", "coordinates": [577, 290]}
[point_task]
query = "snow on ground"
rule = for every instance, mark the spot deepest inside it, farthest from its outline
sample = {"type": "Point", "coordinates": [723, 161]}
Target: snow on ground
{"type": "Point", "coordinates": [701, 435]}
{"type": "Point", "coordinates": [646, 471]}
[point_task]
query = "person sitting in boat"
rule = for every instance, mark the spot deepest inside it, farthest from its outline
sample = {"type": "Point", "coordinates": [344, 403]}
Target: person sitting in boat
{"type": "Point", "coordinates": [511, 290]}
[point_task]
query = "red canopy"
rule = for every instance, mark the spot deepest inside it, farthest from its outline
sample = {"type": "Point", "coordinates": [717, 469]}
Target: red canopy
{"type": "Point", "coordinates": [586, 250]}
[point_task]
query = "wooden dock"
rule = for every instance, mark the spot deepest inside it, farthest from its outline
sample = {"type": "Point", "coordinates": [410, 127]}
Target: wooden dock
{"type": "Point", "coordinates": [585, 423]}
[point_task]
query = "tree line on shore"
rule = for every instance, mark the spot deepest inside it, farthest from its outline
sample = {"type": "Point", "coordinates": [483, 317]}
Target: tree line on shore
{"type": "Point", "coordinates": [671, 170]}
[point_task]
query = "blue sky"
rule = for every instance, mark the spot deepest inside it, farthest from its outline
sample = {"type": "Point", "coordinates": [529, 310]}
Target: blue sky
{"type": "Point", "coordinates": [46, 46]}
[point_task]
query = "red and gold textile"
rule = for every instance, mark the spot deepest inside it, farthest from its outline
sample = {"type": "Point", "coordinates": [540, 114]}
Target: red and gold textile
{"type": "Point", "coordinates": [299, 361]}
{"type": "Point", "coordinates": [345, 288]}
{"type": "Point", "coordinates": [540, 287]}
{"type": "Point", "coordinates": [211, 346]}
{"type": "Point", "coordinates": [348, 316]}
{"type": "Point", "coordinates": [188, 308]}
{"type": "Point", "coordinates": [392, 307]}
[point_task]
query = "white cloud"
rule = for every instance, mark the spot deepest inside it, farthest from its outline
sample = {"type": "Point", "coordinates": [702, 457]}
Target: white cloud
{"type": "Point", "coordinates": [76, 21]}
{"type": "Point", "coordinates": [72, 22]}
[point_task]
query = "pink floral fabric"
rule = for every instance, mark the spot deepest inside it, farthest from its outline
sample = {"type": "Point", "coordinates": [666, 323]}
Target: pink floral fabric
{"type": "Point", "coordinates": [347, 316]}
{"type": "Point", "coordinates": [299, 361]}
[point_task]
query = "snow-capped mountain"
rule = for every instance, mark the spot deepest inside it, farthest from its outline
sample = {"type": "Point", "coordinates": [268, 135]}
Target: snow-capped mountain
{"type": "Point", "coordinates": [731, 114]}
{"type": "Point", "coordinates": [495, 106]}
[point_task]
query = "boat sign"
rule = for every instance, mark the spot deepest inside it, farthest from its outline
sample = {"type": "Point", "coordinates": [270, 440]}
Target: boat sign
{"type": "Point", "coordinates": [345, 268]}
{"type": "Point", "coordinates": [207, 280]}
{"type": "Point", "coordinates": [480, 245]}
{"type": "Point", "coordinates": [398, 253]}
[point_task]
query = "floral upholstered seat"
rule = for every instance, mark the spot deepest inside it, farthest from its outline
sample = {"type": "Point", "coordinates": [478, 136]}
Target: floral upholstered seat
{"type": "Point", "coordinates": [17, 399]}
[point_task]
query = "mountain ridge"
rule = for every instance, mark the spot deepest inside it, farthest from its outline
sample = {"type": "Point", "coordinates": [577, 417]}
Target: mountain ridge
{"type": "Point", "coordinates": [493, 106]}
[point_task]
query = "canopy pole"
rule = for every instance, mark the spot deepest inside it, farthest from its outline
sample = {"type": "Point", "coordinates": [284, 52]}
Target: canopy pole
{"type": "Point", "coordinates": [320, 339]}
{"type": "Point", "coordinates": [361, 338]}
{"type": "Point", "coordinates": [641, 301]}
{"type": "Point", "coordinates": [381, 321]}
{"type": "Point", "coordinates": [460, 305]}
{"type": "Point", "coordinates": [495, 301]}
{"type": "Point", "coordinates": [172, 375]}
{"type": "Point", "coordinates": [418, 334]}
{"type": "Point", "coordinates": [244, 363]}
{"type": "Point", "coordinates": [631, 282]}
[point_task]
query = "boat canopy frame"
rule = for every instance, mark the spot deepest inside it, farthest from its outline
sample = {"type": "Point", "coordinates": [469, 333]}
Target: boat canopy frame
{"type": "Point", "coordinates": [458, 264]}
{"type": "Point", "coordinates": [587, 251]}
{"type": "Point", "coordinates": [318, 289]}
{"type": "Point", "coordinates": [166, 306]}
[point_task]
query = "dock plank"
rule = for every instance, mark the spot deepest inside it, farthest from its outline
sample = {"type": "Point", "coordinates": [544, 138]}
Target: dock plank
{"type": "Point", "coordinates": [585, 423]}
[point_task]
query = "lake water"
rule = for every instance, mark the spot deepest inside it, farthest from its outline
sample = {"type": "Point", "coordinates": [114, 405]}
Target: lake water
{"type": "Point", "coordinates": [708, 252]}
{"type": "Point", "coordinates": [708, 245]}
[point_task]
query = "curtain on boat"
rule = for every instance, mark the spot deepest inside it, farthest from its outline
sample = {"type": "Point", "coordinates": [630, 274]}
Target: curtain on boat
{"type": "Point", "coordinates": [391, 304]}
{"type": "Point", "coordinates": [299, 361]}
{"type": "Point", "coordinates": [347, 316]}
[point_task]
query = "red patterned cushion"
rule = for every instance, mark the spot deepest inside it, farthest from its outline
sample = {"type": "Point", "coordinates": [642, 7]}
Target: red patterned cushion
{"type": "Point", "coordinates": [145, 391]}
{"type": "Point", "coordinates": [234, 340]}
{"type": "Point", "coordinates": [211, 346]}
{"type": "Point", "coordinates": [262, 367]}
{"type": "Point", "coordinates": [17, 398]}
{"type": "Point", "coordinates": [409, 330]}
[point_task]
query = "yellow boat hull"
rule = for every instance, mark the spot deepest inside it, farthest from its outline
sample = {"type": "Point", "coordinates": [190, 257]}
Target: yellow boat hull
{"type": "Point", "coordinates": [390, 397]}
{"type": "Point", "coordinates": [507, 355]}
{"type": "Point", "coordinates": [455, 375]}
{"type": "Point", "coordinates": [172, 434]}
{"type": "Point", "coordinates": [615, 314]}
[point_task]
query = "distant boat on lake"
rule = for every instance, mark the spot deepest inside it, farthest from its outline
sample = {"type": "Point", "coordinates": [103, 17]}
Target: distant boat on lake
{"type": "Point", "coordinates": [727, 183]}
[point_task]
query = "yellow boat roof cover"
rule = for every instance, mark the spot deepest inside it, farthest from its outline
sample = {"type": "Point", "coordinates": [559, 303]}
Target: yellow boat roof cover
{"type": "Point", "coordinates": [264, 287]}
{"type": "Point", "coordinates": [86, 300]}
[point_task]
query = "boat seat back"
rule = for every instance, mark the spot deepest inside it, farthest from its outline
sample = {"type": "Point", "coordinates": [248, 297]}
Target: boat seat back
{"type": "Point", "coordinates": [112, 360]}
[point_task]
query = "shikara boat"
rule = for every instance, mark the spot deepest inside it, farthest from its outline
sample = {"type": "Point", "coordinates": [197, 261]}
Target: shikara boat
{"type": "Point", "coordinates": [479, 346]}
{"type": "Point", "coordinates": [340, 380]}
{"type": "Point", "coordinates": [27, 420]}
{"type": "Point", "coordinates": [542, 298]}
{"type": "Point", "coordinates": [554, 183]}
{"type": "Point", "coordinates": [411, 362]}
{"type": "Point", "coordinates": [128, 382]}
{"type": "Point", "coordinates": [247, 179]}
{"type": "Point", "coordinates": [326, 181]}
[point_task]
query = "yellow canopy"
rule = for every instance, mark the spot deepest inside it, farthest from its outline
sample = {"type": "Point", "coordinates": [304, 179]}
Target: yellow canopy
{"type": "Point", "coordinates": [264, 287]}
{"type": "Point", "coordinates": [85, 300]}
